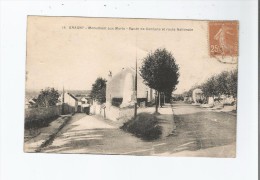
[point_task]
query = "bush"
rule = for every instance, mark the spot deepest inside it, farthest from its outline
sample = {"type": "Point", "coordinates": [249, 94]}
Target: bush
{"type": "Point", "coordinates": [145, 126]}
{"type": "Point", "coordinates": [178, 98]}
{"type": "Point", "coordinates": [39, 123]}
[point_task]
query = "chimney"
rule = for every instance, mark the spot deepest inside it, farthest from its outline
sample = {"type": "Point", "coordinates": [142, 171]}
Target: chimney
{"type": "Point", "coordinates": [110, 75]}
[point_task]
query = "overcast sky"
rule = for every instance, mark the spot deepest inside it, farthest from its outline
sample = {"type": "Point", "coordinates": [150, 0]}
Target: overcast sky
{"type": "Point", "coordinates": [74, 58]}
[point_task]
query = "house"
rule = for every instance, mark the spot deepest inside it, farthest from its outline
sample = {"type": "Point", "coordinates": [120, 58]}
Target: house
{"type": "Point", "coordinates": [69, 101]}
{"type": "Point", "coordinates": [197, 95]}
{"type": "Point", "coordinates": [120, 89]}
{"type": "Point", "coordinates": [29, 103]}
{"type": "Point", "coordinates": [83, 102]}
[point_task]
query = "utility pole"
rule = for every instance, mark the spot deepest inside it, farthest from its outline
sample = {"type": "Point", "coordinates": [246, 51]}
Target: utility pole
{"type": "Point", "coordinates": [135, 88]}
{"type": "Point", "coordinates": [62, 106]}
{"type": "Point", "coordinates": [135, 110]}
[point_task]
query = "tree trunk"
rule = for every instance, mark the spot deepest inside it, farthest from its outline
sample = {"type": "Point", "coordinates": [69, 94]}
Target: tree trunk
{"type": "Point", "coordinates": [159, 93]}
{"type": "Point", "coordinates": [156, 101]}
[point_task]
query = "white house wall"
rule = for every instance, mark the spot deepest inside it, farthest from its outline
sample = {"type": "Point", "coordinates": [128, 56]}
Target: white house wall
{"type": "Point", "coordinates": [115, 87]}
{"type": "Point", "coordinates": [69, 100]}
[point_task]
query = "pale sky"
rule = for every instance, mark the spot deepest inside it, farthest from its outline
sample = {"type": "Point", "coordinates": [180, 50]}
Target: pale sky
{"type": "Point", "coordinates": [76, 57]}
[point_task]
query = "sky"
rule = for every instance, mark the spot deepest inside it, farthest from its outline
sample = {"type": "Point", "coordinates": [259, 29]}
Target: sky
{"type": "Point", "coordinates": [63, 51]}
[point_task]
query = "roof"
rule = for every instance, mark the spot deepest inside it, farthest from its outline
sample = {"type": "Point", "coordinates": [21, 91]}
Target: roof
{"type": "Point", "coordinates": [197, 91]}
{"type": "Point", "coordinates": [84, 99]}
{"type": "Point", "coordinates": [71, 95]}
{"type": "Point", "coordinates": [32, 101]}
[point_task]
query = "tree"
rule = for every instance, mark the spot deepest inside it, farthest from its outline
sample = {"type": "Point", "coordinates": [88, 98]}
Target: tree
{"type": "Point", "coordinates": [98, 91]}
{"type": "Point", "coordinates": [232, 83]}
{"type": "Point", "coordinates": [224, 83]}
{"type": "Point", "coordinates": [160, 72]}
{"type": "Point", "coordinates": [209, 88]}
{"type": "Point", "coordinates": [47, 97]}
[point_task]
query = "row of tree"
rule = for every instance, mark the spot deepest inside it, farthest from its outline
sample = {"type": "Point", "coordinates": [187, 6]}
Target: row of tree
{"type": "Point", "coordinates": [224, 83]}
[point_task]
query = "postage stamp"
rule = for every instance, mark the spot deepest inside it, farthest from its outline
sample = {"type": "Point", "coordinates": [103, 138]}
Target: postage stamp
{"type": "Point", "coordinates": [223, 40]}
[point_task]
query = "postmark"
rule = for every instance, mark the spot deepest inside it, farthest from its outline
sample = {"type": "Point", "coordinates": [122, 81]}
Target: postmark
{"type": "Point", "coordinates": [223, 40]}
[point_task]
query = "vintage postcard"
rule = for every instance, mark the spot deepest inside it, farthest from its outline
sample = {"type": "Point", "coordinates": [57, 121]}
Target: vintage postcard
{"type": "Point", "coordinates": [131, 86]}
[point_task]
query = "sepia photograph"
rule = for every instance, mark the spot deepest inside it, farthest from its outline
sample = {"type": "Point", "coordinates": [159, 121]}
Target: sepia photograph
{"type": "Point", "coordinates": [129, 90]}
{"type": "Point", "coordinates": [143, 87]}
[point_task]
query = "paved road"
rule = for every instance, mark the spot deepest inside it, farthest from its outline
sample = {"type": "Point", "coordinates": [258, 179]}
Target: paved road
{"type": "Point", "coordinates": [93, 134]}
{"type": "Point", "coordinates": [200, 132]}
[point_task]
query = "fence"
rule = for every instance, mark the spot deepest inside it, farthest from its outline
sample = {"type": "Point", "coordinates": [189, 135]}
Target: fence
{"type": "Point", "coordinates": [68, 109]}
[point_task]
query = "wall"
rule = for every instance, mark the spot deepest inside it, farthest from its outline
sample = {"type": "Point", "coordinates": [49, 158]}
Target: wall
{"type": "Point", "coordinates": [68, 109]}
{"type": "Point", "coordinates": [113, 113]}
{"type": "Point", "coordinates": [115, 86]}
{"type": "Point", "coordinates": [118, 114]}
{"type": "Point", "coordinates": [42, 113]}
{"type": "Point", "coordinates": [70, 100]}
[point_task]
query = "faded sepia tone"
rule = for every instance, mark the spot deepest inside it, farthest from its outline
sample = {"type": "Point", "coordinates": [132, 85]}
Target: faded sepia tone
{"type": "Point", "coordinates": [87, 92]}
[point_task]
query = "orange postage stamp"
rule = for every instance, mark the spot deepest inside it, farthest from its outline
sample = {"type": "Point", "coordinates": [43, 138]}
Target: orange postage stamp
{"type": "Point", "coordinates": [223, 40]}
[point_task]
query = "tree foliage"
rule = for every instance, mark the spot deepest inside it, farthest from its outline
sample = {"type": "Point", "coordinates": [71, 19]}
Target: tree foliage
{"type": "Point", "coordinates": [209, 88]}
{"type": "Point", "coordinates": [47, 97]}
{"type": "Point", "coordinates": [98, 91]}
{"type": "Point", "coordinates": [224, 83]}
{"type": "Point", "coordinates": [160, 71]}
{"type": "Point", "coordinates": [232, 85]}
{"type": "Point", "coordinates": [190, 91]}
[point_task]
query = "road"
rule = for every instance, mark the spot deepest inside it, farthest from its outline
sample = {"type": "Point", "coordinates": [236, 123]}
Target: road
{"type": "Point", "coordinates": [199, 132]}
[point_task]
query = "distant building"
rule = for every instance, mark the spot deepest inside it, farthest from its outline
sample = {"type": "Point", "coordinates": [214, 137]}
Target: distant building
{"type": "Point", "coordinates": [84, 102]}
{"type": "Point", "coordinates": [29, 103]}
{"type": "Point", "coordinates": [197, 95]}
{"type": "Point", "coordinates": [70, 102]}
{"type": "Point", "coordinates": [120, 89]}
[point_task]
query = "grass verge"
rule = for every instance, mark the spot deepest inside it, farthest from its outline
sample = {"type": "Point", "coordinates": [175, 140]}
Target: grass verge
{"type": "Point", "coordinates": [145, 126]}
{"type": "Point", "coordinates": [39, 123]}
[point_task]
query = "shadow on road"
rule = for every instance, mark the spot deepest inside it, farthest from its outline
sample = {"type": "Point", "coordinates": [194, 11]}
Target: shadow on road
{"type": "Point", "coordinates": [197, 131]}
{"type": "Point", "coordinates": [206, 129]}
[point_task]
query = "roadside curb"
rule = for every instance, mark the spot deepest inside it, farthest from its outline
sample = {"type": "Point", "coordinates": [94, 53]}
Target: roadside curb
{"type": "Point", "coordinates": [167, 122]}
{"type": "Point", "coordinates": [174, 132]}
{"type": "Point", "coordinates": [52, 136]}
{"type": "Point", "coordinates": [46, 135]}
